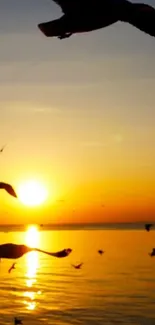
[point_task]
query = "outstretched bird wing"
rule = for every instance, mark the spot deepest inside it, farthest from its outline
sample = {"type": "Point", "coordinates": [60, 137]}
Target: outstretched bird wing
{"type": "Point", "coordinates": [8, 188]}
{"type": "Point", "coordinates": [12, 267]}
{"type": "Point", "coordinates": [64, 4]}
{"type": "Point", "coordinates": [1, 150]}
{"type": "Point", "coordinates": [79, 265]}
{"type": "Point", "coordinates": [142, 16]}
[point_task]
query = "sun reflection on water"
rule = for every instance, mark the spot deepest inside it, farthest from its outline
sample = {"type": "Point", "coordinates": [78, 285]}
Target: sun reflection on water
{"type": "Point", "coordinates": [32, 262]}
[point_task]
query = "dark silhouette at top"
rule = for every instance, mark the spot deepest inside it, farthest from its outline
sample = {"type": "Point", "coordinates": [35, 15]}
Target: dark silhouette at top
{"type": "Point", "coordinates": [152, 253]}
{"type": "Point", "coordinates": [100, 251]}
{"type": "Point", "coordinates": [8, 188]}
{"type": "Point", "coordinates": [78, 266]}
{"type": "Point", "coordinates": [17, 321]}
{"type": "Point", "coordinates": [148, 226]}
{"type": "Point", "coordinates": [87, 15]}
{"type": "Point", "coordinates": [14, 251]}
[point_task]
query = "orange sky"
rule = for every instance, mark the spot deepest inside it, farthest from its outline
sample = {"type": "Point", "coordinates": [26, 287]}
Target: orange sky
{"type": "Point", "coordinates": [78, 116]}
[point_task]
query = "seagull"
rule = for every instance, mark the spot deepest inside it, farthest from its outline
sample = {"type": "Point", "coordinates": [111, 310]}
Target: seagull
{"type": "Point", "coordinates": [13, 251]}
{"type": "Point", "coordinates": [148, 226]}
{"type": "Point", "coordinates": [78, 266]}
{"type": "Point", "coordinates": [12, 267]}
{"type": "Point", "coordinates": [17, 321]}
{"type": "Point", "coordinates": [8, 188]}
{"type": "Point", "coordinates": [100, 251]}
{"type": "Point", "coordinates": [2, 149]}
{"type": "Point", "coordinates": [152, 253]}
{"type": "Point", "coordinates": [80, 16]}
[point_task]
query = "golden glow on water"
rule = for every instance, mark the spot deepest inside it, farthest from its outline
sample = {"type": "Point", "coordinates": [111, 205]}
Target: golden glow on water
{"type": "Point", "coordinates": [32, 261]}
{"type": "Point", "coordinates": [32, 236]}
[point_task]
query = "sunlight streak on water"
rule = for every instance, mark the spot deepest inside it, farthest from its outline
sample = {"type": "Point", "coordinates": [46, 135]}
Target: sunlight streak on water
{"type": "Point", "coordinates": [32, 262]}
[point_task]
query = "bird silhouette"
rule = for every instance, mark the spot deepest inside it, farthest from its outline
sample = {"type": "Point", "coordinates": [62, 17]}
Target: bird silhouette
{"type": "Point", "coordinates": [152, 253]}
{"type": "Point", "coordinates": [100, 251]}
{"type": "Point", "coordinates": [12, 267]}
{"type": "Point", "coordinates": [81, 16]}
{"type": "Point", "coordinates": [78, 266]}
{"type": "Point", "coordinates": [2, 149]}
{"type": "Point", "coordinates": [148, 226]}
{"type": "Point", "coordinates": [17, 321]}
{"type": "Point", "coordinates": [8, 188]}
{"type": "Point", "coordinates": [13, 251]}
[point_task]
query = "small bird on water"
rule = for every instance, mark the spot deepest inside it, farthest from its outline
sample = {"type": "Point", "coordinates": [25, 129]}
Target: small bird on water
{"type": "Point", "coordinates": [8, 188]}
{"type": "Point", "coordinates": [148, 226]}
{"type": "Point", "coordinates": [17, 321]}
{"type": "Point", "coordinates": [13, 251]}
{"type": "Point", "coordinates": [78, 266]}
{"type": "Point", "coordinates": [100, 251]}
{"type": "Point", "coordinates": [12, 267]}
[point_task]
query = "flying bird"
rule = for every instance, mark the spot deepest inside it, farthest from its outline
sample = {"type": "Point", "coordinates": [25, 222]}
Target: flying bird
{"type": "Point", "coordinates": [100, 251]}
{"type": "Point", "coordinates": [13, 251]}
{"type": "Point", "coordinates": [17, 321]}
{"type": "Point", "coordinates": [81, 16]}
{"type": "Point", "coordinates": [152, 253]}
{"type": "Point", "coordinates": [12, 267]}
{"type": "Point", "coordinates": [2, 149]}
{"type": "Point", "coordinates": [148, 226]}
{"type": "Point", "coordinates": [78, 266]}
{"type": "Point", "coordinates": [8, 188]}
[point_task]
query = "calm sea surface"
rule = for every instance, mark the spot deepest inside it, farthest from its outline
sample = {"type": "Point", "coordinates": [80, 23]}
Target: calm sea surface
{"type": "Point", "coordinates": [115, 288]}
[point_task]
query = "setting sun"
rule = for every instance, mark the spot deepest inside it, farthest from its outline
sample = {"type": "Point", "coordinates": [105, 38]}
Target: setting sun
{"type": "Point", "coordinates": [32, 193]}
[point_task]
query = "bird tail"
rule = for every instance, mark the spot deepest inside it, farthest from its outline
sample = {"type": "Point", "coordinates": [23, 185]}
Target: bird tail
{"type": "Point", "coordinates": [141, 16]}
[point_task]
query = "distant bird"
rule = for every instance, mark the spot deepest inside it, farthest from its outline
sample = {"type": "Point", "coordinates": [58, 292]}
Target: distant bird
{"type": "Point", "coordinates": [2, 149]}
{"type": "Point", "coordinates": [14, 251]}
{"type": "Point", "coordinates": [8, 188]}
{"type": "Point", "coordinates": [100, 251]}
{"type": "Point", "coordinates": [78, 266]}
{"type": "Point", "coordinates": [12, 267]}
{"type": "Point", "coordinates": [17, 321]}
{"type": "Point", "coordinates": [82, 16]}
{"type": "Point", "coordinates": [152, 253]}
{"type": "Point", "coordinates": [148, 226]}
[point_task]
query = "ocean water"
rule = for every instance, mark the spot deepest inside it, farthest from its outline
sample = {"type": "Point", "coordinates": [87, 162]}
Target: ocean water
{"type": "Point", "coordinates": [115, 288]}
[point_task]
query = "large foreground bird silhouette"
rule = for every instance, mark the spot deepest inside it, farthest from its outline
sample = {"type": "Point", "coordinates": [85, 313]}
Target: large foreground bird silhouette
{"type": "Point", "coordinates": [8, 188]}
{"type": "Point", "coordinates": [14, 251]}
{"type": "Point", "coordinates": [87, 15]}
